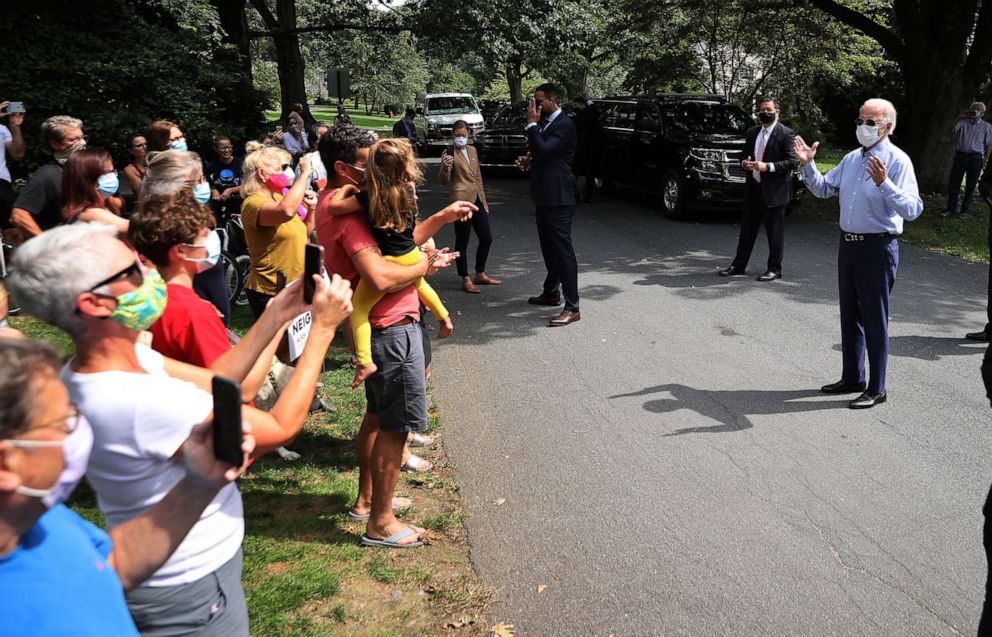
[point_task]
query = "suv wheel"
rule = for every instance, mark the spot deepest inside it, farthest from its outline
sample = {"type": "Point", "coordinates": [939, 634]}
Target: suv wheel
{"type": "Point", "coordinates": [672, 195]}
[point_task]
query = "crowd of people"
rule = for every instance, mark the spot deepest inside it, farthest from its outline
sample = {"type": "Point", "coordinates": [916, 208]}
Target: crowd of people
{"type": "Point", "coordinates": [130, 269]}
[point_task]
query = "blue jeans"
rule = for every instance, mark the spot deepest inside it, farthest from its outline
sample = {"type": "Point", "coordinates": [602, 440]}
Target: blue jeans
{"type": "Point", "coordinates": [968, 166]}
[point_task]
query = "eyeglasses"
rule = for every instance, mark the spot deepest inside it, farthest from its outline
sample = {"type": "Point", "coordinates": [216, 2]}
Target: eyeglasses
{"type": "Point", "coordinates": [868, 122]}
{"type": "Point", "coordinates": [139, 146]}
{"type": "Point", "coordinates": [81, 138]}
{"type": "Point", "coordinates": [69, 422]}
{"type": "Point", "coordinates": [126, 273]}
{"type": "Point", "coordinates": [225, 148]}
{"type": "Point", "coordinates": [358, 168]}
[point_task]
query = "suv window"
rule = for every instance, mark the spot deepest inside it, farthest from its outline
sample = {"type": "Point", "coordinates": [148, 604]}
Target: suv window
{"type": "Point", "coordinates": [706, 117]}
{"type": "Point", "coordinates": [451, 105]}
{"type": "Point", "coordinates": [647, 118]}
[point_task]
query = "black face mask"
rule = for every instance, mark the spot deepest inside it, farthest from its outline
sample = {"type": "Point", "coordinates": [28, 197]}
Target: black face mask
{"type": "Point", "coordinates": [765, 117]}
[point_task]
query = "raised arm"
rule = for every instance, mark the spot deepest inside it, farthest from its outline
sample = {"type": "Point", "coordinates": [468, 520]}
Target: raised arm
{"type": "Point", "coordinates": [274, 213]}
{"type": "Point", "coordinates": [457, 211]}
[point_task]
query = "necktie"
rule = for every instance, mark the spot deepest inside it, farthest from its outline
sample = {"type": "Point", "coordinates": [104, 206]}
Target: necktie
{"type": "Point", "coordinates": [759, 152]}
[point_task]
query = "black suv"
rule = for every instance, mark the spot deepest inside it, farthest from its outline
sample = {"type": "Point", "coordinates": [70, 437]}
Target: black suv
{"type": "Point", "coordinates": [503, 140]}
{"type": "Point", "coordinates": [684, 148]}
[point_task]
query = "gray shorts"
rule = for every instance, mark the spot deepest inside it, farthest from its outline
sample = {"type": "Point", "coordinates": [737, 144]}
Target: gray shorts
{"type": "Point", "coordinates": [212, 606]}
{"type": "Point", "coordinates": [397, 392]}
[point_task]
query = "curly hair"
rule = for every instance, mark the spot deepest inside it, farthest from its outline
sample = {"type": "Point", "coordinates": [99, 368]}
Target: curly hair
{"type": "Point", "coordinates": [24, 365]}
{"type": "Point", "coordinates": [393, 175]}
{"type": "Point", "coordinates": [164, 221]}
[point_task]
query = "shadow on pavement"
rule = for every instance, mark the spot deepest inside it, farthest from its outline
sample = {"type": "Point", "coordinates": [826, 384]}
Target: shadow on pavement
{"type": "Point", "coordinates": [730, 408]}
{"type": "Point", "coordinates": [931, 348]}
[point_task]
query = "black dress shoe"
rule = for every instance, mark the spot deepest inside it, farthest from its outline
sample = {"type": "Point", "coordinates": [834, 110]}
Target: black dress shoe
{"type": "Point", "coordinates": [843, 387]}
{"type": "Point", "coordinates": [545, 299]}
{"type": "Point", "coordinates": [982, 336]}
{"type": "Point", "coordinates": [867, 400]}
{"type": "Point", "coordinates": [770, 276]}
{"type": "Point", "coordinates": [731, 271]}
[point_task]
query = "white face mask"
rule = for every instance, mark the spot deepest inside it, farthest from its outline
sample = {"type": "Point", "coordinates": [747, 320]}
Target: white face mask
{"type": "Point", "coordinates": [461, 141]}
{"type": "Point", "coordinates": [868, 135]}
{"type": "Point", "coordinates": [213, 248]}
{"type": "Point", "coordinates": [76, 449]}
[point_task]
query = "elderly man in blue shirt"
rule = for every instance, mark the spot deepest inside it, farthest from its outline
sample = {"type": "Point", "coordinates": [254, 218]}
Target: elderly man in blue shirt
{"type": "Point", "coordinates": [876, 185]}
{"type": "Point", "coordinates": [973, 141]}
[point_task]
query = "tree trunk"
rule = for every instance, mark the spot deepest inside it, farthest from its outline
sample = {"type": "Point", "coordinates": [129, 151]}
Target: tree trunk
{"type": "Point", "coordinates": [234, 21]}
{"type": "Point", "coordinates": [289, 60]}
{"type": "Point", "coordinates": [514, 80]}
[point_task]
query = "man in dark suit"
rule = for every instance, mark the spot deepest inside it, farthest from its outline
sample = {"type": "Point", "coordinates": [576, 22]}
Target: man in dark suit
{"type": "Point", "coordinates": [551, 138]}
{"type": "Point", "coordinates": [405, 127]}
{"type": "Point", "coordinates": [770, 161]}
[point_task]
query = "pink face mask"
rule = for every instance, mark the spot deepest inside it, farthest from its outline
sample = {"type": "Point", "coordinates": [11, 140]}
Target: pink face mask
{"type": "Point", "coordinates": [277, 181]}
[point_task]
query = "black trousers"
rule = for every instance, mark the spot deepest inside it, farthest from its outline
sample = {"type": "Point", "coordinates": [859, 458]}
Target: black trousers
{"type": "Point", "coordinates": [554, 230]}
{"type": "Point", "coordinates": [463, 232]}
{"type": "Point", "coordinates": [7, 198]}
{"type": "Point", "coordinates": [756, 213]}
{"type": "Point", "coordinates": [969, 166]}
{"type": "Point", "coordinates": [985, 624]}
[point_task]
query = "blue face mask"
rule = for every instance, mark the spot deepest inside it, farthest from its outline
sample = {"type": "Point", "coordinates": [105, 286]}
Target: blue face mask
{"type": "Point", "coordinates": [108, 184]}
{"type": "Point", "coordinates": [201, 192]}
{"type": "Point", "coordinates": [179, 144]}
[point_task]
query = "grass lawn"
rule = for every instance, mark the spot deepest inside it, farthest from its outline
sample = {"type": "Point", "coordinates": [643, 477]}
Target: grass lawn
{"type": "Point", "coordinates": [305, 572]}
{"type": "Point", "coordinates": [378, 123]}
{"type": "Point", "coordinates": [965, 238]}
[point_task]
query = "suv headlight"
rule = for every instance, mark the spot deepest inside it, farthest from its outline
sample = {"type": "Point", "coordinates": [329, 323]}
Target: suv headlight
{"type": "Point", "coordinates": [432, 125]}
{"type": "Point", "coordinates": [708, 160]}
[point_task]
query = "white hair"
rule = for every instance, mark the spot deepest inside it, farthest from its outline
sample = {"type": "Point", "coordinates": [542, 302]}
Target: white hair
{"type": "Point", "coordinates": [169, 172]}
{"type": "Point", "coordinates": [54, 128]}
{"type": "Point", "coordinates": [887, 107]}
{"type": "Point", "coordinates": [52, 269]}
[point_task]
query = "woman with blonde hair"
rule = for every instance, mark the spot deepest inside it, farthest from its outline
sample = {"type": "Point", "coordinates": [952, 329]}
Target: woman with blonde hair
{"type": "Point", "coordinates": [169, 173]}
{"type": "Point", "coordinates": [391, 206]}
{"type": "Point", "coordinates": [277, 214]}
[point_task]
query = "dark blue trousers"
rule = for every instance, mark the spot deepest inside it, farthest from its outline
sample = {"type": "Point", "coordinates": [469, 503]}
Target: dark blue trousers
{"type": "Point", "coordinates": [968, 166]}
{"type": "Point", "coordinates": [866, 272]}
{"type": "Point", "coordinates": [212, 286]}
{"type": "Point", "coordinates": [554, 230]}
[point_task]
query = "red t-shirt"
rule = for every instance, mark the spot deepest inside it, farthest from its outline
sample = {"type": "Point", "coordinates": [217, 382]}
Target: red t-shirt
{"type": "Point", "coordinates": [342, 237]}
{"type": "Point", "coordinates": [190, 330]}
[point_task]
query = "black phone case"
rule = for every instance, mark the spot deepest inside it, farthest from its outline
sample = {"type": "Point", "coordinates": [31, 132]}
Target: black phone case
{"type": "Point", "coordinates": [311, 267]}
{"type": "Point", "coordinates": [228, 434]}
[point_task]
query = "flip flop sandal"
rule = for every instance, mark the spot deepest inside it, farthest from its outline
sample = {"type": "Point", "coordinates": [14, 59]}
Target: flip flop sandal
{"type": "Point", "coordinates": [398, 507]}
{"type": "Point", "coordinates": [420, 440]}
{"type": "Point", "coordinates": [392, 542]}
{"type": "Point", "coordinates": [416, 464]}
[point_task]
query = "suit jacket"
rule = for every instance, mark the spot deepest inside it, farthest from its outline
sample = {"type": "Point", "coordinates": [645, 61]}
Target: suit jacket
{"type": "Point", "coordinates": [464, 178]}
{"type": "Point", "coordinates": [776, 187]}
{"type": "Point", "coordinates": [400, 129]}
{"type": "Point", "coordinates": [552, 152]}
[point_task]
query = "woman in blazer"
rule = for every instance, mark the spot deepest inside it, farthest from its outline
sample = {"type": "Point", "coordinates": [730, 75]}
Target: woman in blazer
{"type": "Point", "coordinates": [460, 171]}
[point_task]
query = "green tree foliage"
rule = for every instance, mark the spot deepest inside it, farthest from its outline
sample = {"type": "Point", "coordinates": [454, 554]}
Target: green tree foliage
{"type": "Point", "coordinates": [118, 69]}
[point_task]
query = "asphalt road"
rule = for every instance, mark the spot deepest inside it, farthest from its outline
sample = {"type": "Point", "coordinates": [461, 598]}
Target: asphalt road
{"type": "Point", "coordinates": [667, 466]}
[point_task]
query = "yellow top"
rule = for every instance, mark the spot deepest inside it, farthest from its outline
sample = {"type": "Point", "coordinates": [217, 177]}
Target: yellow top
{"type": "Point", "coordinates": [272, 248]}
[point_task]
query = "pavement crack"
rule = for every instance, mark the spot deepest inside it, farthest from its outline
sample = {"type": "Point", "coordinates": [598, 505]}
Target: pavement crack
{"type": "Point", "coordinates": [839, 558]}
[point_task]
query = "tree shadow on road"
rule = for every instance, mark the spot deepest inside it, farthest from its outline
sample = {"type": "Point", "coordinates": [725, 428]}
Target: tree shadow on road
{"type": "Point", "coordinates": [730, 408]}
{"type": "Point", "coordinates": [931, 348]}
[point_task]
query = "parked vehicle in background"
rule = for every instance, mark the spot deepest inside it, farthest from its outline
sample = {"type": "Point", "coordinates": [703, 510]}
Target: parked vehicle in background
{"type": "Point", "coordinates": [683, 148]}
{"type": "Point", "coordinates": [490, 108]}
{"type": "Point", "coordinates": [439, 111]}
{"type": "Point", "coordinates": [503, 140]}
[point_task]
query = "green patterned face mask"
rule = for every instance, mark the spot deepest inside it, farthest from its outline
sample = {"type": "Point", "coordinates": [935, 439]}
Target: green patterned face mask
{"type": "Point", "coordinates": [140, 308]}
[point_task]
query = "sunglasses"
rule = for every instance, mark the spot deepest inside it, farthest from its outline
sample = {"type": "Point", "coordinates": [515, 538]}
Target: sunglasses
{"type": "Point", "coordinates": [126, 273]}
{"type": "Point", "coordinates": [285, 166]}
{"type": "Point", "coordinates": [868, 122]}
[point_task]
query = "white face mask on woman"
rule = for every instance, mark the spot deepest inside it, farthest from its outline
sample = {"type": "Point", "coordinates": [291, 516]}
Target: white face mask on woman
{"type": "Point", "coordinates": [76, 449]}
{"type": "Point", "coordinates": [461, 141]}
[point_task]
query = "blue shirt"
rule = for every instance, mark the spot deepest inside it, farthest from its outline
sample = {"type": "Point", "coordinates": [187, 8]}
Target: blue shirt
{"type": "Point", "coordinates": [973, 135]}
{"type": "Point", "coordinates": [864, 207]}
{"type": "Point", "coordinates": [58, 582]}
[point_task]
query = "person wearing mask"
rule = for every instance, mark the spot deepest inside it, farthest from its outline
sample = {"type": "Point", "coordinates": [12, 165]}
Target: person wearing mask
{"type": "Point", "coordinates": [342, 116]}
{"type": "Point", "coordinates": [134, 171]}
{"type": "Point", "coordinates": [552, 140]}
{"type": "Point", "coordinates": [11, 145]}
{"type": "Point", "coordinates": [89, 183]}
{"type": "Point", "coordinates": [771, 158]}
{"type": "Point", "coordinates": [276, 219]}
{"type": "Point", "coordinates": [405, 127]}
{"type": "Point", "coordinates": [224, 175]}
{"type": "Point", "coordinates": [164, 135]}
{"type": "Point", "coordinates": [318, 174]}
{"type": "Point", "coordinates": [461, 172]}
{"type": "Point", "coordinates": [295, 139]}
{"type": "Point", "coordinates": [169, 173]}
{"type": "Point", "coordinates": [38, 206]}
{"type": "Point", "coordinates": [49, 552]}
{"type": "Point", "coordinates": [877, 189]}
{"type": "Point", "coordinates": [142, 407]}
{"type": "Point", "coordinates": [973, 142]}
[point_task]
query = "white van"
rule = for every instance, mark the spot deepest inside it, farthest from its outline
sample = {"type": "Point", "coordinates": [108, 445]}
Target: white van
{"type": "Point", "coordinates": [439, 111]}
